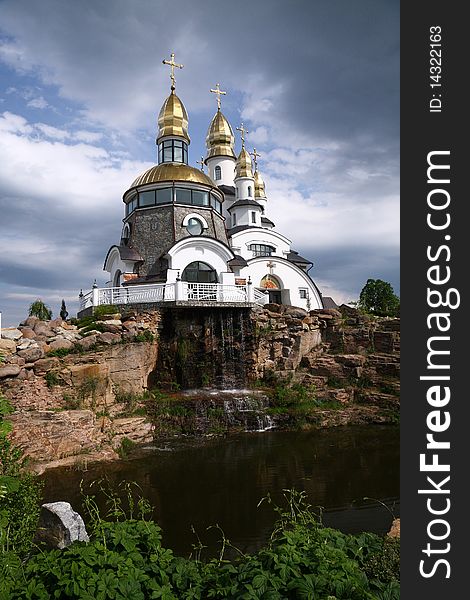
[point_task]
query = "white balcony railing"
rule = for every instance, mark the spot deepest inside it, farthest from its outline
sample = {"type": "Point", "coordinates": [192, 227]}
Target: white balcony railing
{"type": "Point", "coordinates": [179, 291]}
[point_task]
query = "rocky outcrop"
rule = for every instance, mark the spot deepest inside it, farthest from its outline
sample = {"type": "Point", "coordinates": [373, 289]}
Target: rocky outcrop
{"type": "Point", "coordinates": [75, 389]}
{"type": "Point", "coordinates": [348, 357]}
{"type": "Point", "coordinates": [78, 403]}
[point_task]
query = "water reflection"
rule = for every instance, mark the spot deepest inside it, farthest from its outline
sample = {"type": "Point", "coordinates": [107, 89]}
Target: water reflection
{"type": "Point", "coordinates": [221, 481]}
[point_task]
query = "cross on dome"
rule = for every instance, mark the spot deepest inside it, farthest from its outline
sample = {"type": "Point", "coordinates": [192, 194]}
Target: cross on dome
{"type": "Point", "coordinates": [255, 156]}
{"type": "Point", "coordinates": [201, 162]}
{"type": "Point", "coordinates": [219, 93]}
{"type": "Point", "coordinates": [172, 66]}
{"type": "Point", "coordinates": [242, 131]}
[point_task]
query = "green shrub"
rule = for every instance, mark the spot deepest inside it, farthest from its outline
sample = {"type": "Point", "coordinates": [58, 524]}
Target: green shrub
{"type": "Point", "coordinates": [51, 379]}
{"type": "Point", "coordinates": [61, 352]}
{"type": "Point", "coordinates": [126, 559]}
{"type": "Point", "coordinates": [145, 336]}
{"type": "Point", "coordinates": [104, 310]}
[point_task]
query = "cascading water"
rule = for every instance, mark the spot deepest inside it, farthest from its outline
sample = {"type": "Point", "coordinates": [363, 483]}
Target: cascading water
{"type": "Point", "coordinates": [205, 351]}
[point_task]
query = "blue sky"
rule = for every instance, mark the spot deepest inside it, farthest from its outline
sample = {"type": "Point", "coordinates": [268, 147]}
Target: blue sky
{"type": "Point", "coordinates": [315, 82]}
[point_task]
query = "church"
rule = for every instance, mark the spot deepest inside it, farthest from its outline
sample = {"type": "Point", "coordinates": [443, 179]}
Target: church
{"type": "Point", "coordinates": [194, 237]}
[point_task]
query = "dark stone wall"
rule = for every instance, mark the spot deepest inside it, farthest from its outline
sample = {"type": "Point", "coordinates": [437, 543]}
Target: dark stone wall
{"type": "Point", "coordinates": [152, 234]}
{"type": "Point", "coordinates": [214, 220]}
{"type": "Point", "coordinates": [155, 230]}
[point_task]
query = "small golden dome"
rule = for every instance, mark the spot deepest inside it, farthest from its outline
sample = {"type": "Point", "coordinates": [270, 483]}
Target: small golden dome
{"type": "Point", "coordinates": [243, 165]}
{"type": "Point", "coordinates": [172, 172]}
{"type": "Point", "coordinates": [173, 119]}
{"type": "Point", "coordinates": [220, 138]}
{"type": "Point", "coordinates": [260, 191]}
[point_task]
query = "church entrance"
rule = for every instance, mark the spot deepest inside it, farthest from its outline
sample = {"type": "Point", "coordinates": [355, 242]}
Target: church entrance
{"type": "Point", "coordinates": [273, 286]}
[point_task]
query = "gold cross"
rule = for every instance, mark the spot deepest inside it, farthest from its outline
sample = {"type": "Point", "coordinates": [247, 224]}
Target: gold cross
{"type": "Point", "coordinates": [201, 162]}
{"type": "Point", "coordinates": [219, 93]}
{"type": "Point", "coordinates": [255, 156]}
{"type": "Point", "coordinates": [242, 131]}
{"type": "Point", "coordinates": [172, 65]}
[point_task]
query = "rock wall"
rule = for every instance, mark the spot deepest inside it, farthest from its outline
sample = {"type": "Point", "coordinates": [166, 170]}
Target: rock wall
{"type": "Point", "coordinates": [74, 390]}
{"type": "Point", "coordinates": [347, 356]}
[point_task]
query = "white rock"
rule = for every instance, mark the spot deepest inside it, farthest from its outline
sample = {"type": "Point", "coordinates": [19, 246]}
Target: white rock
{"type": "Point", "coordinates": [11, 334]}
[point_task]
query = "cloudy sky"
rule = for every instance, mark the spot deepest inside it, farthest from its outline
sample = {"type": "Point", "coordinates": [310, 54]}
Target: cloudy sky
{"type": "Point", "coordinates": [316, 82]}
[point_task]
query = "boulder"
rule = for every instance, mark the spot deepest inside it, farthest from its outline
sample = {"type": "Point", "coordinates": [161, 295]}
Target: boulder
{"type": "Point", "coordinates": [87, 342]}
{"type": "Point", "coordinates": [31, 354]}
{"type": "Point", "coordinates": [41, 328]}
{"type": "Point", "coordinates": [109, 338]}
{"type": "Point", "coordinates": [56, 322]}
{"type": "Point", "coordinates": [61, 344]}
{"type": "Point", "coordinates": [295, 312]}
{"type": "Point", "coordinates": [9, 371]}
{"type": "Point", "coordinates": [11, 334]}
{"type": "Point", "coordinates": [60, 526]}
{"type": "Point", "coordinates": [28, 333]}
{"type": "Point", "coordinates": [30, 322]}
{"type": "Point", "coordinates": [7, 346]}
{"type": "Point", "coordinates": [43, 365]}
{"type": "Point", "coordinates": [26, 343]}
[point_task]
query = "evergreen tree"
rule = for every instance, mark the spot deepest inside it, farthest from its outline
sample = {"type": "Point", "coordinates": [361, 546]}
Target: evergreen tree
{"type": "Point", "coordinates": [63, 311]}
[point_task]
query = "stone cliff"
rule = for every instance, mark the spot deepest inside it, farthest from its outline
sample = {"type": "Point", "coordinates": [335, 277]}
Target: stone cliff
{"type": "Point", "coordinates": [75, 388]}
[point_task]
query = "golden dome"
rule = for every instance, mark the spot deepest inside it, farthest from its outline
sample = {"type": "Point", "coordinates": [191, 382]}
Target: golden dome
{"type": "Point", "coordinates": [173, 118]}
{"type": "Point", "coordinates": [260, 191]}
{"type": "Point", "coordinates": [172, 172]}
{"type": "Point", "coordinates": [243, 165]}
{"type": "Point", "coordinates": [220, 138]}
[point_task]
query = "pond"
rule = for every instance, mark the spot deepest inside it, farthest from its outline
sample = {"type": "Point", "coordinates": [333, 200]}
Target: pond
{"type": "Point", "coordinates": [221, 481]}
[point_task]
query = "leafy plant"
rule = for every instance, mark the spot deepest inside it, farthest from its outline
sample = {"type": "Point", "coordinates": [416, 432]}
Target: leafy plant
{"type": "Point", "coordinates": [377, 297]}
{"type": "Point", "coordinates": [104, 310]}
{"type": "Point", "coordinates": [51, 379]}
{"type": "Point", "coordinates": [40, 310]}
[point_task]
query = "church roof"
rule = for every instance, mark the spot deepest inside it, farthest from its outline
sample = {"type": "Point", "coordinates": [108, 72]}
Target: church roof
{"type": "Point", "coordinates": [220, 138]}
{"type": "Point", "coordinates": [260, 191]}
{"type": "Point", "coordinates": [266, 221]}
{"type": "Point", "coordinates": [328, 302]}
{"type": "Point", "coordinates": [172, 172]}
{"type": "Point", "coordinates": [294, 257]}
{"type": "Point", "coordinates": [246, 202]}
{"type": "Point", "coordinates": [238, 228]}
{"type": "Point", "coordinates": [227, 189]}
{"type": "Point", "coordinates": [125, 253]}
{"type": "Point", "coordinates": [173, 119]}
{"type": "Point", "coordinates": [238, 261]}
{"type": "Point", "coordinates": [243, 164]}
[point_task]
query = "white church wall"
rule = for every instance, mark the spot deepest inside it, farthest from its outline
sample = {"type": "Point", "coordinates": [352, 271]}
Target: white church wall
{"type": "Point", "coordinates": [201, 249]}
{"type": "Point", "coordinates": [245, 187]}
{"type": "Point", "coordinates": [290, 277]}
{"type": "Point", "coordinates": [243, 239]}
{"type": "Point", "coordinates": [227, 168]}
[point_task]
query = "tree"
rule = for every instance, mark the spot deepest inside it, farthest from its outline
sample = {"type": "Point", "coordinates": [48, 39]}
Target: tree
{"type": "Point", "coordinates": [377, 297]}
{"type": "Point", "coordinates": [40, 310]}
{"type": "Point", "coordinates": [63, 311]}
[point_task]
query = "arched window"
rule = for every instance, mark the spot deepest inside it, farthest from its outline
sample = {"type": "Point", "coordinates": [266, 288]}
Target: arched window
{"type": "Point", "coordinates": [126, 234]}
{"type": "Point", "coordinates": [261, 249]}
{"type": "Point", "coordinates": [249, 191]}
{"type": "Point", "coordinates": [199, 272]}
{"type": "Point", "coordinates": [269, 282]}
{"type": "Point", "coordinates": [117, 278]}
{"type": "Point", "coordinates": [218, 173]}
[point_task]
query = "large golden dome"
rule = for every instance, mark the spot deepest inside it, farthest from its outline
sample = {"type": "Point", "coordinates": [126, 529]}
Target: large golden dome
{"type": "Point", "coordinates": [220, 138]}
{"type": "Point", "coordinates": [243, 165]}
{"type": "Point", "coordinates": [260, 191]}
{"type": "Point", "coordinates": [173, 119]}
{"type": "Point", "coordinates": [172, 172]}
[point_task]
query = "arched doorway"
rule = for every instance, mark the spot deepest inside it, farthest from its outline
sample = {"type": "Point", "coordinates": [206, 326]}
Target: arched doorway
{"type": "Point", "coordinates": [273, 286]}
{"type": "Point", "coordinates": [199, 272]}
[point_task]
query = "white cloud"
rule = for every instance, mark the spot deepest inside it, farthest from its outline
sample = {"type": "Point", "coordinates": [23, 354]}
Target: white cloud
{"type": "Point", "coordinates": [39, 102]}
